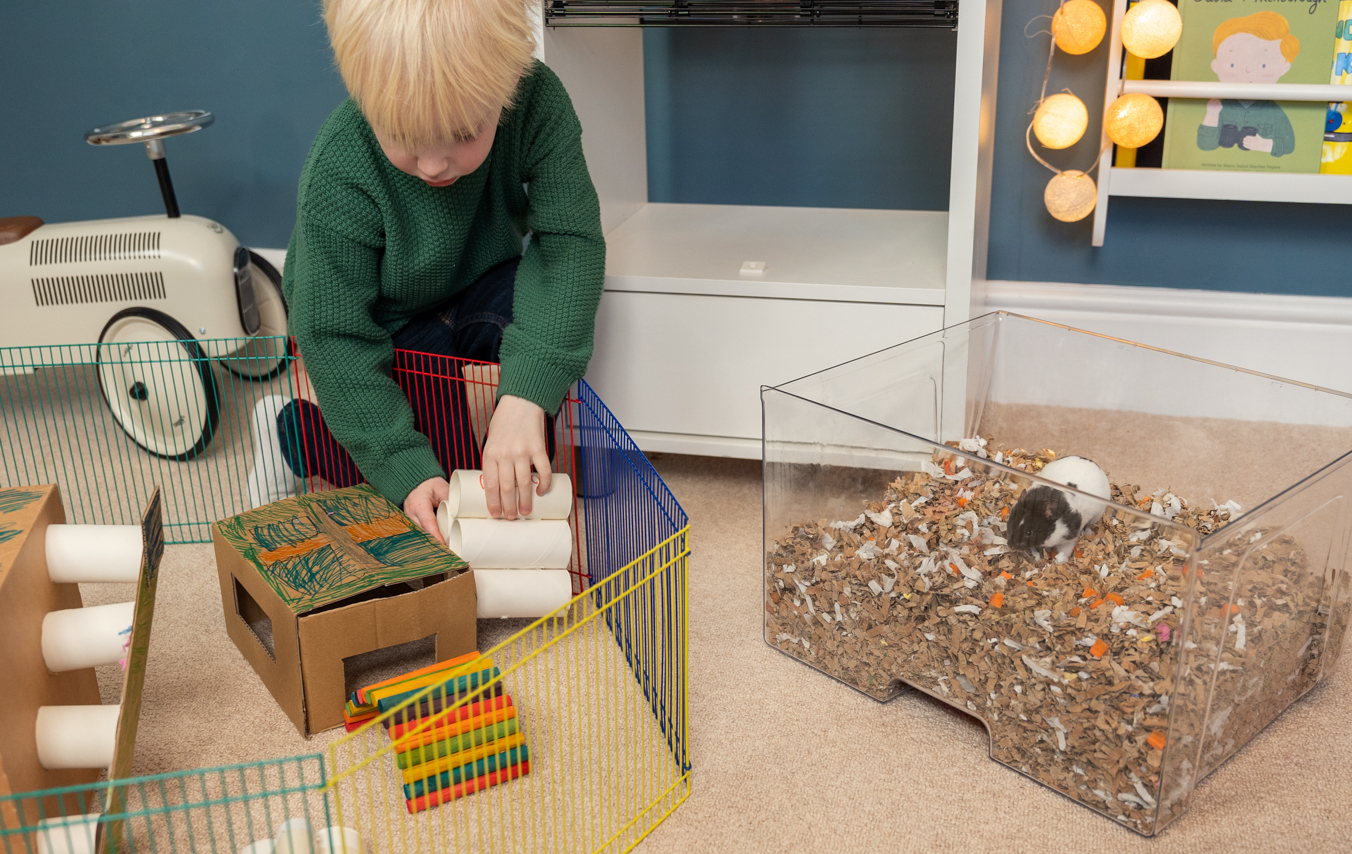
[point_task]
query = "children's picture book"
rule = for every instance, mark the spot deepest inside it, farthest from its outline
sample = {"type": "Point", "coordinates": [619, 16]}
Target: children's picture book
{"type": "Point", "coordinates": [1338, 125]}
{"type": "Point", "coordinates": [1251, 41]}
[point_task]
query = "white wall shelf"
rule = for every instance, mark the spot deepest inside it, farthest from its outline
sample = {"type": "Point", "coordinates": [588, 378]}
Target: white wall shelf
{"type": "Point", "coordinates": [684, 338]}
{"type": "Point", "coordinates": [1198, 184]}
{"type": "Point", "coordinates": [1230, 186]}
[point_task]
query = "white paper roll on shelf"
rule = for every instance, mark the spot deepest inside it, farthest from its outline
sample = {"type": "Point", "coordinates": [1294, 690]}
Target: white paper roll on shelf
{"type": "Point", "coordinates": [500, 544]}
{"type": "Point", "coordinates": [294, 836]}
{"type": "Point", "coordinates": [76, 736]}
{"type": "Point", "coordinates": [93, 553]}
{"type": "Point", "coordinates": [338, 840]}
{"type": "Point", "coordinates": [67, 834]}
{"type": "Point", "coordinates": [466, 499]}
{"type": "Point", "coordinates": [529, 593]}
{"type": "Point", "coordinates": [77, 638]}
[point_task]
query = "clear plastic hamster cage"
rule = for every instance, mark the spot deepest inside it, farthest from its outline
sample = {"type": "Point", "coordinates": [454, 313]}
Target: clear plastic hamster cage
{"type": "Point", "coordinates": [1213, 594]}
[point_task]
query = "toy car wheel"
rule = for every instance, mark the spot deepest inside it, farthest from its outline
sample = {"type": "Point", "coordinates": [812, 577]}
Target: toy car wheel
{"type": "Point", "coordinates": [266, 358]}
{"type": "Point", "coordinates": [157, 383]}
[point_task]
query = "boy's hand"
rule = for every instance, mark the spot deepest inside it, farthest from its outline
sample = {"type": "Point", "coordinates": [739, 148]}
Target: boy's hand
{"type": "Point", "coordinates": [422, 503]}
{"type": "Point", "coordinates": [516, 441]}
{"type": "Point", "coordinates": [1258, 143]}
{"type": "Point", "coordinates": [1213, 113]}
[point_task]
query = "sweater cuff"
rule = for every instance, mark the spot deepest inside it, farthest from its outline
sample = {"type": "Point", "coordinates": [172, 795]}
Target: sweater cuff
{"type": "Point", "coordinates": [400, 473]}
{"type": "Point", "coordinates": [541, 383]}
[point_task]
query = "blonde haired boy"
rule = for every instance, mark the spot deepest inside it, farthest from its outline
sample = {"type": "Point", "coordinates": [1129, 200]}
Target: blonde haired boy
{"type": "Point", "coordinates": [1257, 48]}
{"type": "Point", "coordinates": [414, 203]}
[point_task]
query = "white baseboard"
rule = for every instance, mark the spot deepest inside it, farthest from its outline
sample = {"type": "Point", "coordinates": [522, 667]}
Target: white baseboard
{"type": "Point", "coordinates": [1302, 338]}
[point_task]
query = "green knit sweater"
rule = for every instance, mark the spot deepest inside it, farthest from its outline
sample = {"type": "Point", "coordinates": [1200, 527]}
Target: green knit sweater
{"type": "Point", "coordinates": [374, 246]}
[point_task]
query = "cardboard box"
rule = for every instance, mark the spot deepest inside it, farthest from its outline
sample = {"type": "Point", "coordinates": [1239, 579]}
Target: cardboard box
{"type": "Point", "coordinates": [309, 581]}
{"type": "Point", "coordinates": [27, 594]}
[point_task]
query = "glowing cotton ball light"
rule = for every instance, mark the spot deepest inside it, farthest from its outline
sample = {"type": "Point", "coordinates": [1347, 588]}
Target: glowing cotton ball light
{"type": "Point", "coordinates": [1151, 28]}
{"type": "Point", "coordinates": [1133, 120]}
{"type": "Point", "coordinates": [1070, 196]}
{"type": "Point", "coordinates": [1078, 26]}
{"type": "Point", "coordinates": [1060, 121]}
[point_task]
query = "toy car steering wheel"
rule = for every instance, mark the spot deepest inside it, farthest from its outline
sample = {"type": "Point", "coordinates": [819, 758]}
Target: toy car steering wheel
{"type": "Point", "coordinates": [149, 128]}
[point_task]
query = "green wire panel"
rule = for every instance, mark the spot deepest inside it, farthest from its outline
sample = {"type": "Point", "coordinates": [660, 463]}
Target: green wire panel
{"type": "Point", "coordinates": [110, 421]}
{"type": "Point", "coordinates": [212, 810]}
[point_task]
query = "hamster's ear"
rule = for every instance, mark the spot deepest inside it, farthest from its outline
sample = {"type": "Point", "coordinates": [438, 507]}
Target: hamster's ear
{"type": "Point", "coordinates": [1056, 503]}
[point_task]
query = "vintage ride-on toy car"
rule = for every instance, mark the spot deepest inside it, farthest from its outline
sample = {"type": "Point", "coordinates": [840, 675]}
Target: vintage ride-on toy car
{"type": "Point", "coordinates": [164, 295]}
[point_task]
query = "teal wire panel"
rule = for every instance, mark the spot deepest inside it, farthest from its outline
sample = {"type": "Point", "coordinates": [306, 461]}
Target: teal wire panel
{"type": "Point", "coordinates": [109, 422]}
{"type": "Point", "coordinates": [207, 811]}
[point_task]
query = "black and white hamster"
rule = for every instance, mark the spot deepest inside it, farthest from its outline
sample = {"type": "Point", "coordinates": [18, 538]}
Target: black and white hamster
{"type": "Point", "coordinates": [1045, 517]}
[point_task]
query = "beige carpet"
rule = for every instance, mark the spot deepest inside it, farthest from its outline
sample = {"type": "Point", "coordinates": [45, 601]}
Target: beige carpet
{"type": "Point", "coordinates": [786, 759]}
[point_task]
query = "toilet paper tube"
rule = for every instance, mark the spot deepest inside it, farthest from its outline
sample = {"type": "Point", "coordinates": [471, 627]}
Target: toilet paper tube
{"type": "Point", "coordinates": [86, 637]}
{"type": "Point", "coordinates": [500, 544]}
{"type": "Point", "coordinates": [76, 736]}
{"type": "Point", "coordinates": [67, 834]}
{"type": "Point", "coordinates": [93, 553]}
{"type": "Point", "coordinates": [466, 499]}
{"type": "Point", "coordinates": [294, 837]}
{"type": "Point", "coordinates": [338, 840]}
{"type": "Point", "coordinates": [530, 593]}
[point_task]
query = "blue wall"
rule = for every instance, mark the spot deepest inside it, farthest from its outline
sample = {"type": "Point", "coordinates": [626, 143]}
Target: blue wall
{"type": "Point", "coordinates": [262, 66]}
{"type": "Point", "coordinates": [853, 118]}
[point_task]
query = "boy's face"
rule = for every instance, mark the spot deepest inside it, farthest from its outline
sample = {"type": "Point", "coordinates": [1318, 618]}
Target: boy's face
{"type": "Point", "coordinates": [442, 165]}
{"type": "Point", "coordinates": [1245, 58]}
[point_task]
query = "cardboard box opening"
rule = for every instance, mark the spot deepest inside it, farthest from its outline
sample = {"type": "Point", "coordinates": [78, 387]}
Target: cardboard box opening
{"type": "Point", "coordinates": [366, 668]}
{"type": "Point", "coordinates": [257, 619]}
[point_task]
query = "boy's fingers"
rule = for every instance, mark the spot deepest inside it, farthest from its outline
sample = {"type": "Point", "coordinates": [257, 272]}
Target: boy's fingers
{"type": "Point", "coordinates": [546, 476]}
{"type": "Point", "coordinates": [490, 475]}
{"type": "Point", "coordinates": [426, 516]}
{"type": "Point", "coordinates": [524, 485]}
{"type": "Point", "coordinates": [507, 490]}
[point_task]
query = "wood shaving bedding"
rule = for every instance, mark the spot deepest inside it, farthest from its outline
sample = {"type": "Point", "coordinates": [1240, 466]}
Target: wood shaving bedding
{"type": "Point", "coordinates": [1074, 666]}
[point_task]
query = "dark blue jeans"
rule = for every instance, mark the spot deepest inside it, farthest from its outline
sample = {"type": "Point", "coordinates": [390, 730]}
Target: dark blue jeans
{"type": "Point", "coordinates": [469, 326]}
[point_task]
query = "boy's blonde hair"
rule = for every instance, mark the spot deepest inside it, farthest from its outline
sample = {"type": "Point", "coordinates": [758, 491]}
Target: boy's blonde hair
{"type": "Point", "coordinates": [1268, 26]}
{"type": "Point", "coordinates": [429, 72]}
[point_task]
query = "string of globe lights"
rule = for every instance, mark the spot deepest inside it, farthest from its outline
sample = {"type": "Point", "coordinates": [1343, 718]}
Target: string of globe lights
{"type": "Point", "coordinates": [1150, 29]}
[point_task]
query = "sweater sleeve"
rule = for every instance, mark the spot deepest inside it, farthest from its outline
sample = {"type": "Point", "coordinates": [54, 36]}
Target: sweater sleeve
{"type": "Point", "coordinates": [558, 284]}
{"type": "Point", "coordinates": [349, 356]}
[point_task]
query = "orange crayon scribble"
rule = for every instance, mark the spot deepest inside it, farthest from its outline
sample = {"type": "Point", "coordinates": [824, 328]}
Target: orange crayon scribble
{"type": "Point", "coordinates": [291, 550]}
{"type": "Point", "coordinates": [388, 527]}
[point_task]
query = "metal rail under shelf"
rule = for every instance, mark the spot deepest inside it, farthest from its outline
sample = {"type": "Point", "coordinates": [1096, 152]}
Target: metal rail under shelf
{"type": "Point", "coordinates": [752, 13]}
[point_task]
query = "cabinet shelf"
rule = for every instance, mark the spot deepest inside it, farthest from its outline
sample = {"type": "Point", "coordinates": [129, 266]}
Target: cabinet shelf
{"type": "Point", "coordinates": [752, 13]}
{"type": "Point", "coordinates": [1238, 91]}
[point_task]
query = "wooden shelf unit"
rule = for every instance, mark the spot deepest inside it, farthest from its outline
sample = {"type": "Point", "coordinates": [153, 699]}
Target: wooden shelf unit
{"type": "Point", "coordinates": [684, 338]}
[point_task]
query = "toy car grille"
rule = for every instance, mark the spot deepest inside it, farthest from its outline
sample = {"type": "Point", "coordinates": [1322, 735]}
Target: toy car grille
{"type": "Point", "coordinates": [116, 287]}
{"type": "Point", "coordinates": [95, 247]}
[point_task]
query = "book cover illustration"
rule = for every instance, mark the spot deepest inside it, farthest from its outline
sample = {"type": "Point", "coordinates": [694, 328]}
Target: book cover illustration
{"type": "Point", "coordinates": [1250, 41]}
{"type": "Point", "coordinates": [1338, 127]}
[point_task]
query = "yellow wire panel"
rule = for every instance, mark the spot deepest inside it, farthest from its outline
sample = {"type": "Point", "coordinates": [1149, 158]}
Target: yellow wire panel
{"type": "Point", "coordinates": [600, 690]}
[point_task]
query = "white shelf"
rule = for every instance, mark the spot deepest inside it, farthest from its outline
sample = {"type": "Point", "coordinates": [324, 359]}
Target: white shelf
{"type": "Point", "coordinates": [1230, 186]}
{"type": "Point", "coordinates": [1238, 91]}
{"type": "Point", "coordinates": [836, 254]}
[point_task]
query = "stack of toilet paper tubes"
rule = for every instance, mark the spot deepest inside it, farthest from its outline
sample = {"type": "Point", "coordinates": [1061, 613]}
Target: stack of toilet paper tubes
{"type": "Point", "coordinates": [75, 835]}
{"type": "Point", "coordinates": [76, 638]}
{"type": "Point", "coordinates": [82, 737]}
{"type": "Point", "coordinates": [520, 566]}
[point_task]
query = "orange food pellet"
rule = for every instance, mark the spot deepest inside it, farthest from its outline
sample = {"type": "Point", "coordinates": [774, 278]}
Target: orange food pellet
{"type": "Point", "coordinates": [1229, 609]}
{"type": "Point", "coordinates": [1095, 604]}
{"type": "Point", "coordinates": [962, 502]}
{"type": "Point", "coordinates": [1089, 593]}
{"type": "Point", "coordinates": [1145, 575]}
{"type": "Point", "coordinates": [1006, 576]}
{"type": "Point", "coordinates": [1004, 514]}
{"type": "Point", "coordinates": [1030, 582]}
{"type": "Point", "coordinates": [953, 568]}
{"type": "Point", "coordinates": [1098, 649]}
{"type": "Point", "coordinates": [1079, 553]}
{"type": "Point", "coordinates": [1157, 740]}
{"type": "Point", "coordinates": [1114, 598]}
{"type": "Point", "coordinates": [997, 600]}
{"type": "Point", "coordinates": [1075, 612]}
{"type": "Point", "coordinates": [948, 466]}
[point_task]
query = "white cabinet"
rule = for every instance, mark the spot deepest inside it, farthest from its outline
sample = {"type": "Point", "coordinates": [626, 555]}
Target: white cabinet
{"type": "Point", "coordinates": [706, 303]}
